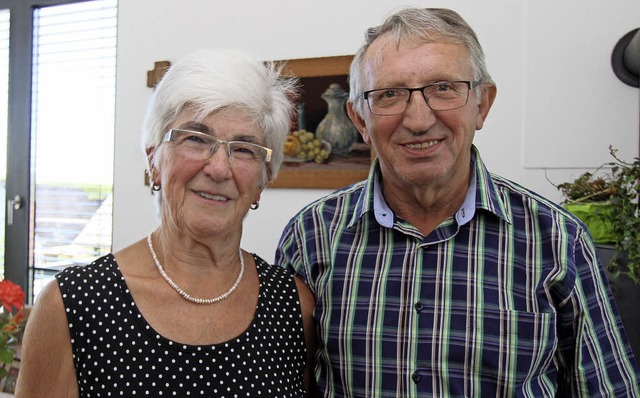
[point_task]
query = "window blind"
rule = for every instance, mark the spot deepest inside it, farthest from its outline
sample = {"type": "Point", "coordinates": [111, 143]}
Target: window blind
{"type": "Point", "coordinates": [73, 106]}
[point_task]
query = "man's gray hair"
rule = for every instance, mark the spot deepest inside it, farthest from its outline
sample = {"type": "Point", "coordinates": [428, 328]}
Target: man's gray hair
{"type": "Point", "coordinates": [419, 25]}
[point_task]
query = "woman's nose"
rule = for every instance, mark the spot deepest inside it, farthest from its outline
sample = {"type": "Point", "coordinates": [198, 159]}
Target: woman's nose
{"type": "Point", "coordinates": [218, 164]}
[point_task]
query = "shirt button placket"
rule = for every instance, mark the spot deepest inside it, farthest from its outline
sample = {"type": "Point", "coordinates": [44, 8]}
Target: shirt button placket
{"type": "Point", "coordinates": [416, 376]}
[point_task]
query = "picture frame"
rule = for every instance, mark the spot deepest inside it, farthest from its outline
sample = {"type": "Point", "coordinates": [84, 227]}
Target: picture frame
{"type": "Point", "coordinates": [315, 76]}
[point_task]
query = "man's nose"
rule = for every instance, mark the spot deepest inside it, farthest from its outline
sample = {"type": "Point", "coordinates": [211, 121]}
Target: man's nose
{"type": "Point", "coordinates": [418, 97]}
{"type": "Point", "coordinates": [418, 116]}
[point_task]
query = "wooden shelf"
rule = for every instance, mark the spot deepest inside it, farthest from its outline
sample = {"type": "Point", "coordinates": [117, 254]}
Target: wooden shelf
{"type": "Point", "coordinates": [317, 67]}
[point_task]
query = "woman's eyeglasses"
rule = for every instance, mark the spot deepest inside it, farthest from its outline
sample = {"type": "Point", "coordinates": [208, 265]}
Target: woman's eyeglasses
{"type": "Point", "coordinates": [200, 146]}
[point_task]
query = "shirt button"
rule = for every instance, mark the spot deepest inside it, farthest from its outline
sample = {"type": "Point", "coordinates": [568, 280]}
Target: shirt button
{"type": "Point", "coordinates": [418, 306]}
{"type": "Point", "coordinates": [416, 377]}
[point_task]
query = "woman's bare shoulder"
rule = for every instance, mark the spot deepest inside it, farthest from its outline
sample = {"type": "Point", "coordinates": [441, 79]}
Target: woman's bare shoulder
{"type": "Point", "coordinates": [46, 367]}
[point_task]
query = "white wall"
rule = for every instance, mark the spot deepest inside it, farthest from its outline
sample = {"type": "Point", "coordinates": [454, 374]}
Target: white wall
{"type": "Point", "coordinates": [559, 105]}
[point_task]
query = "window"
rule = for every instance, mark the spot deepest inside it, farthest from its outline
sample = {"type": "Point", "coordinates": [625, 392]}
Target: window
{"type": "Point", "coordinates": [4, 91]}
{"type": "Point", "coordinates": [67, 137]}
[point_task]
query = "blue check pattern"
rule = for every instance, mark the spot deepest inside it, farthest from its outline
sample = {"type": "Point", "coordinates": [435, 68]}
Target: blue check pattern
{"type": "Point", "coordinates": [507, 298]}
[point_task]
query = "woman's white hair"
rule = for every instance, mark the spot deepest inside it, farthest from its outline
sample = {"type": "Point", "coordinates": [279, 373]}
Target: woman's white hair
{"type": "Point", "coordinates": [209, 80]}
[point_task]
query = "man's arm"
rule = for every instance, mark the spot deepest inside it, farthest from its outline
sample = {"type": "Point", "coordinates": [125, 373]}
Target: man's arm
{"type": "Point", "coordinates": [288, 252]}
{"type": "Point", "coordinates": [595, 355]}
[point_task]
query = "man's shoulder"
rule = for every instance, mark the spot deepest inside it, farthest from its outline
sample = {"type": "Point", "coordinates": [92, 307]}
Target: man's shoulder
{"type": "Point", "coordinates": [343, 198]}
{"type": "Point", "coordinates": [522, 197]}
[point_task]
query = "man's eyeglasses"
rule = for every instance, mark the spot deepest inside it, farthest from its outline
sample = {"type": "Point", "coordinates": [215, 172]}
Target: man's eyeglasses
{"type": "Point", "coordinates": [200, 146]}
{"type": "Point", "coordinates": [441, 96]}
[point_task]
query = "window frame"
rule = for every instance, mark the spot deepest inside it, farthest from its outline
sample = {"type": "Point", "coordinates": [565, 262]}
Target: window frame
{"type": "Point", "coordinates": [18, 237]}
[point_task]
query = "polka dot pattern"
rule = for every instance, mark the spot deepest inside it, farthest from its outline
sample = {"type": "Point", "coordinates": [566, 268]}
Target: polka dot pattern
{"type": "Point", "coordinates": [118, 354]}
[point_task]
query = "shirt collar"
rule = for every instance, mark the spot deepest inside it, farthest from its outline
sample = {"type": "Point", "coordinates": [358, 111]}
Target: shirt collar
{"type": "Point", "coordinates": [488, 197]}
{"type": "Point", "coordinates": [482, 194]}
{"type": "Point", "coordinates": [384, 214]}
{"type": "Point", "coordinates": [468, 208]}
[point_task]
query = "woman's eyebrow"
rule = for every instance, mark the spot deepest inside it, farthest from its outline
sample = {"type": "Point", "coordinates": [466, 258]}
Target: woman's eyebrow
{"type": "Point", "coordinates": [195, 126]}
{"type": "Point", "coordinates": [246, 138]}
{"type": "Point", "coordinates": [203, 128]}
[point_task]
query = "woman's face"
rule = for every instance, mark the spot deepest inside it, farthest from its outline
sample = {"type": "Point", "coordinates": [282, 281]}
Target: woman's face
{"type": "Point", "coordinates": [209, 197]}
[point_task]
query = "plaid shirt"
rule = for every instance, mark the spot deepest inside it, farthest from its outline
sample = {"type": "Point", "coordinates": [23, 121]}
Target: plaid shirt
{"type": "Point", "coordinates": [506, 298]}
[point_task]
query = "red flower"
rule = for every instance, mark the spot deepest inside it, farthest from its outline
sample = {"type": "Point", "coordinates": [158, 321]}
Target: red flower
{"type": "Point", "coordinates": [11, 323]}
{"type": "Point", "coordinates": [11, 295]}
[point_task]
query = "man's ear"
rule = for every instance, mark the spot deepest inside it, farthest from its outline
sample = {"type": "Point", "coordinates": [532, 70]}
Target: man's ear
{"type": "Point", "coordinates": [489, 92]}
{"type": "Point", "coordinates": [358, 122]}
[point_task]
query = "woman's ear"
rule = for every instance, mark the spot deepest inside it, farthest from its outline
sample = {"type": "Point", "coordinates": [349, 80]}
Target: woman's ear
{"type": "Point", "coordinates": [151, 150]}
{"type": "Point", "coordinates": [268, 177]}
{"type": "Point", "coordinates": [256, 197]}
{"type": "Point", "coordinates": [153, 172]}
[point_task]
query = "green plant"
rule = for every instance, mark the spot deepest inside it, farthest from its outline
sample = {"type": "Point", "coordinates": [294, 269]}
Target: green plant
{"type": "Point", "coordinates": [586, 187]}
{"type": "Point", "coordinates": [620, 188]}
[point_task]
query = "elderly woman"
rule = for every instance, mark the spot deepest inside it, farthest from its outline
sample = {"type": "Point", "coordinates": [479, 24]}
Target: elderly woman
{"type": "Point", "coordinates": [185, 311]}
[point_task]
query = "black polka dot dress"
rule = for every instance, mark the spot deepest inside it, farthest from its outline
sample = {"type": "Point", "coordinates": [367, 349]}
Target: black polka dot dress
{"type": "Point", "coordinates": [118, 354]}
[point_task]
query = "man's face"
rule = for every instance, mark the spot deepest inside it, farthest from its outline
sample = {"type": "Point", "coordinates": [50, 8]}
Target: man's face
{"type": "Point", "coordinates": [421, 147]}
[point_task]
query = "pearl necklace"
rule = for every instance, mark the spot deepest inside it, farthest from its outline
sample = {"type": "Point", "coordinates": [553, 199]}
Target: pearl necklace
{"type": "Point", "coordinates": [184, 294]}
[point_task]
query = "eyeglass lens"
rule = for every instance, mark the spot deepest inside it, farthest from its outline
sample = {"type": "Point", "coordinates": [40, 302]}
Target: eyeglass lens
{"type": "Point", "coordinates": [439, 96]}
{"type": "Point", "coordinates": [202, 146]}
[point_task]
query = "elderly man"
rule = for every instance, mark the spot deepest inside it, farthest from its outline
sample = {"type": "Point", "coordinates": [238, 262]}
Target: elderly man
{"type": "Point", "coordinates": [434, 277]}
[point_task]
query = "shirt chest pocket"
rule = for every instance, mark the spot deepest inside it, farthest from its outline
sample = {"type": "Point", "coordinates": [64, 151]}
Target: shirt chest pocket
{"type": "Point", "coordinates": [504, 346]}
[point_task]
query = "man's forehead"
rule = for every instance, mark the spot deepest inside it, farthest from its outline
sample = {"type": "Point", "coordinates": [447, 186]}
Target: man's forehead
{"type": "Point", "coordinates": [385, 50]}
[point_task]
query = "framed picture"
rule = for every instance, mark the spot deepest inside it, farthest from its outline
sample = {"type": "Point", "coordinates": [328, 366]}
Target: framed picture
{"type": "Point", "coordinates": [316, 75]}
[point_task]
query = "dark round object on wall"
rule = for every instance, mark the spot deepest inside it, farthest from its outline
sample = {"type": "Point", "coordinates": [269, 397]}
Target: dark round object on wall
{"type": "Point", "coordinates": [622, 51]}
